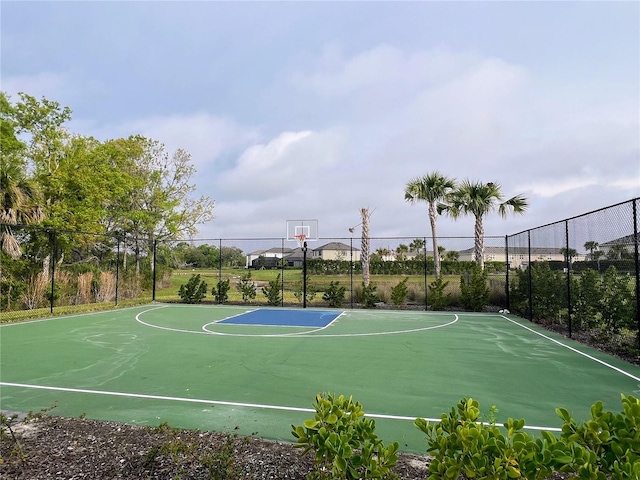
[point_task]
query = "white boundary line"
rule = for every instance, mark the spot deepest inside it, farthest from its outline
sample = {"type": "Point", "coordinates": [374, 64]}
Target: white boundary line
{"type": "Point", "coordinates": [608, 365]}
{"type": "Point", "coordinates": [305, 334]}
{"type": "Point", "coordinates": [62, 317]}
{"type": "Point", "coordinates": [230, 404]}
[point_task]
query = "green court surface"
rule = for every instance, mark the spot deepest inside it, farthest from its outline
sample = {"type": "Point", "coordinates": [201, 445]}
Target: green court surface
{"type": "Point", "coordinates": [181, 365]}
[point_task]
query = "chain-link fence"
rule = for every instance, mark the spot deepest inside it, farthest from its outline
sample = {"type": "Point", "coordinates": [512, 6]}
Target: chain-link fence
{"type": "Point", "coordinates": [57, 269]}
{"type": "Point", "coordinates": [581, 276]}
{"type": "Point", "coordinates": [578, 275]}
{"type": "Point", "coordinates": [60, 270]}
{"type": "Point", "coordinates": [273, 271]}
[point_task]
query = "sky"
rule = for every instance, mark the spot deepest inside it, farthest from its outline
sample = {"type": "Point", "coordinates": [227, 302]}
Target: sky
{"type": "Point", "coordinates": [314, 110]}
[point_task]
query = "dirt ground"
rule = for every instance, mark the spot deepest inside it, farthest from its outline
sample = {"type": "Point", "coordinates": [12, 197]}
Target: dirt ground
{"type": "Point", "coordinates": [63, 448]}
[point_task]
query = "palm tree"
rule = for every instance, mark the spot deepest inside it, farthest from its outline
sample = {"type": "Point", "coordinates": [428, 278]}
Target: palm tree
{"type": "Point", "coordinates": [431, 188]}
{"type": "Point", "coordinates": [416, 245]}
{"type": "Point", "coordinates": [592, 247]}
{"type": "Point", "coordinates": [18, 204]}
{"type": "Point", "coordinates": [479, 199]}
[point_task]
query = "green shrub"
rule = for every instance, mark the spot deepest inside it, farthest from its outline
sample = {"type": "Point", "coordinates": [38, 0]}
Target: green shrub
{"type": "Point", "coordinates": [400, 292]}
{"type": "Point", "coordinates": [334, 294]}
{"type": "Point", "coordinates": [474, 292]}
{"type": "Point", "coordinates": [369, 296]}
{"type": "Point", "coordinates": [194, 290]}
{"type": "Point", "coordinates": [246, 287]}
{"type": "Point", "coordinates": [311, 291]}
{"type": "Point", "coordinates": [437, 297]}
{"type": "Point", "coordinates": [344, 442]}
{"type": "Point", "coordinates": [613, 440]}
{"type": "Point", "coordinates": [273, 292]}
{"type": "Point", "coordinates": [221, 291]}
{"type": "Point", "coordinates": [460, 443]}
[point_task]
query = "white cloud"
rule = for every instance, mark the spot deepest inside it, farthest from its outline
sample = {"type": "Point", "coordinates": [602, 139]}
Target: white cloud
{"type": "Point", "coordinates": [51, 85]}
{"type": "Point", "coordinates": [206, 137]}
{"type": "Point", "coordinates": [284, 167]}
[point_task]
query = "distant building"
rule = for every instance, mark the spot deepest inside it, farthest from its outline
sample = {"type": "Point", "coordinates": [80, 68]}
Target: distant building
{"type": "Point", "coordinates": [519, 256]}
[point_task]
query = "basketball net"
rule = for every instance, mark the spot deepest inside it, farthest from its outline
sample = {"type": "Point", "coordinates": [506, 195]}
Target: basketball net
{"type": "Point", "coordinates": [300, 239]}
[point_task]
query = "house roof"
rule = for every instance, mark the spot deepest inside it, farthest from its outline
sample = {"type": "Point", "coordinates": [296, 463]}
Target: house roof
{"type": "Point", "coordinates": [335, 246]}
{"type": "Point", "coordinates": [626, 240]}
{"type": "Point", "coordinates": [519, 250]}
{"type": "Point", "coordinates": [285, 251]}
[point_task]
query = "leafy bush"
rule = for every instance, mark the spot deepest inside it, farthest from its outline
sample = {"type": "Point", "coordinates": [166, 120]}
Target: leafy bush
{"type": "Point", "coordinates": [607, 446]}
{"type": "Point", "coordinates": [400, 292]}
{"type": "Point", "coordinates": [194, 290]}
{"type": "Point", "coordinates": [369, 296]}
{"type": "Point", "coordinates": [273, 292]}
{"type": "Point", "coordinates": [221, 291]}
{"type": "Point", "coordinates": [344, 442]}
{"type": "Point", "coordinates": [437, 298]}
{"type": "Point", "coordinates": [474, 292]}
{"type": "Point", "coordinates": [460, 443]}
{"type": "Point", "coordinates": [612, 439]}
{"type": "Point", "coordinates": [246, 287]}
{"type": "Point", "coordinates": [334, 294]}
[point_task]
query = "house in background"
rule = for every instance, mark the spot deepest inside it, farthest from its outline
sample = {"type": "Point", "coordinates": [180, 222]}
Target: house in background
{"type": "Point", "coordinates": [275, 253]}
{"type": "Point", "coordinates": [623, 246]}
{"type": "Point", "coordinates": [519, 256]}
{"type": "Point", "coordinates": [335, 251]}
{"type": "Point", "coordinates": [294, 257]}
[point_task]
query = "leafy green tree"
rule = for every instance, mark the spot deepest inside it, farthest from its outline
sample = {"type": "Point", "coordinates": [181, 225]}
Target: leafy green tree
{"type": "Point", "coordinates": [431, 188]}
{"type": "Point", "coordinates": [479, 199]}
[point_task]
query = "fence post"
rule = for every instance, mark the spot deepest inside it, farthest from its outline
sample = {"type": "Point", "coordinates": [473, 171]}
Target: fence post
{"type": "Point", "coordinates": [636, 238]}
{"type": "Point", "coordinates": [530, 276]}
{"type": "Point", "coordinates": [117, 268]}
{"type": "Point", "coordinates": [351, 272]}
{"type": "Point", "coordinates": [153, 290]}
{"type": "Point", "coordinates": [52, 238]}
{"type": "Point", "coordinates": [506, 282]}
{"type": "Point", "coordinates": [426, 282]}
{"type": "Point", "coordinates": [219, 267]}
{"type": "Point", "coordinates": [282, 262]}
{"type": "Point", "coordinates": [568, 263]}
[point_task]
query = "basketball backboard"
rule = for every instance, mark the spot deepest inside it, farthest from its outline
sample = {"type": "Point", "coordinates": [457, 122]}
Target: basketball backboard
{"type": "Point", "coordinates": [298, 228]}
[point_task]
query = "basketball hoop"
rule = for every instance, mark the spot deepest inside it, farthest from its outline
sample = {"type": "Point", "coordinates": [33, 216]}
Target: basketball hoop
{"type": "Point", "coordinates": [300, 238]}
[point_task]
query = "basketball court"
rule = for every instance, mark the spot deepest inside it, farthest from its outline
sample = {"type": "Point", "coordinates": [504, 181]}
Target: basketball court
{"type": "Point", "coordinates": [256, 371]}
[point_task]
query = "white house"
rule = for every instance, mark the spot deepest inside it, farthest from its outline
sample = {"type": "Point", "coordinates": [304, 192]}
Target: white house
{"type": "Point", "coordinates": [336, 251]}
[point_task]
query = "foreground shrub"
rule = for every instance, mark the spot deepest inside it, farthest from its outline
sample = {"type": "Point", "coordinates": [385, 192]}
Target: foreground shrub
{"type": "Point", "coordinates": [613, 440]}
{"type": "Point", "coordinates": [344, 442]}
{"type": "Point", "coordinates": [607, 446]}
